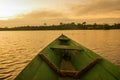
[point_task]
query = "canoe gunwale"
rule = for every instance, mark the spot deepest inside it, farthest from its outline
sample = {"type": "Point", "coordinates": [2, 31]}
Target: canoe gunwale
{"type": "Point", "coordinates": [86, 63]}
{"type": "Point", "coordinates": [68, 73]}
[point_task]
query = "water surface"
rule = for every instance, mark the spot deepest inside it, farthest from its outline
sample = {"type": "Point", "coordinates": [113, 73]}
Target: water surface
{"type": "Point", "coordinates": [18, 48]}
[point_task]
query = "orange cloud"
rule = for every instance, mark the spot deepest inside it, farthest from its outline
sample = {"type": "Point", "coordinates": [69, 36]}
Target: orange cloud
{"type": "Point", "coordinates": [104, 11]}
{"type": "Point", "coordinates": [43, 14]}
{"type": "Point", "coordinates": [36, 18]}
{"type": "Point", "coordinates": [97, 8]}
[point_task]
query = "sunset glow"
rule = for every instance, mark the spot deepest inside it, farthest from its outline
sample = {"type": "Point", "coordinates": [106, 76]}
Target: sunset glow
{"type": "Point", "coordinates": [12, 8]}
{"type": "Point", "coordinates": [37, 12]}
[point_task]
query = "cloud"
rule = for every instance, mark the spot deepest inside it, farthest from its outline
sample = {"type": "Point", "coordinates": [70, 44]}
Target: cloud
{"type": "Point", "coordinates": [98, 10]}
{"type": "Point", "coordinates": [43, 14]}
{"type": "Point", "coordinates": [97, 7]}
{"type": "Point", "coordinates": [35, 18]}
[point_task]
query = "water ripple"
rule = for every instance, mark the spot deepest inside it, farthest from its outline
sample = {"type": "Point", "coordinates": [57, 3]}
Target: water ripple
{"type": "Point", "coordinates": [18, 48]}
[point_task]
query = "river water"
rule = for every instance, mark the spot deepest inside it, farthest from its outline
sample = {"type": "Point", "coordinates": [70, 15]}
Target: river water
{"type": "Point", "coordinates": [18, 48]}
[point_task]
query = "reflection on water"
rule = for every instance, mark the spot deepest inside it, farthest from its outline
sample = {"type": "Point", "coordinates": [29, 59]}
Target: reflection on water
{"type": "Point", "coordinates": [18, 48]}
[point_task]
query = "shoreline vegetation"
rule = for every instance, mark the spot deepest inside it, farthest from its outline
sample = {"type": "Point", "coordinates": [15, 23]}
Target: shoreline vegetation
{"type": "Point", "coordinates": [65, 26]}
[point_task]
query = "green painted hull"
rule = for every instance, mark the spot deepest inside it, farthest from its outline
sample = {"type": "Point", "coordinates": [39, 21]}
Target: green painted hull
{"type": "Point", "coordinates": [47, 64]}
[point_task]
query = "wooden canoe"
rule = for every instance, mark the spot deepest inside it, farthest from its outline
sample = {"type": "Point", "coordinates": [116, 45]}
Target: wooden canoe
{"type": "Point", "coordinates": [65, 59]}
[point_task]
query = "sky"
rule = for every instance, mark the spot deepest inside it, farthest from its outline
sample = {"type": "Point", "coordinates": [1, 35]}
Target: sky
{"type": "Point", "coordinates": [37, 12]}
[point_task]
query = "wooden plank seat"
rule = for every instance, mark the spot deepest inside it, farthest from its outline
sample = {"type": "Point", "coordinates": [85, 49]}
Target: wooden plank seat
{"type": "Point", "coordinates": [65, 47]}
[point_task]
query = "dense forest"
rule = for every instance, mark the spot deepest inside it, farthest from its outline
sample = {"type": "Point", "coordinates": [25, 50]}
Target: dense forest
{"type": "Point", "coordinates": [67, 26]}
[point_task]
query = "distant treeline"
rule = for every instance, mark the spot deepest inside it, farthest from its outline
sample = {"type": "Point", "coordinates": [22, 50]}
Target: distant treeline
{"type": "Point", "coordinates": [67, 26]}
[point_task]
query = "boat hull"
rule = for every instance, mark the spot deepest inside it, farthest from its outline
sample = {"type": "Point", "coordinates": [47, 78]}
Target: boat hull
{"type": "Point", "coordinates": [65, 59]}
